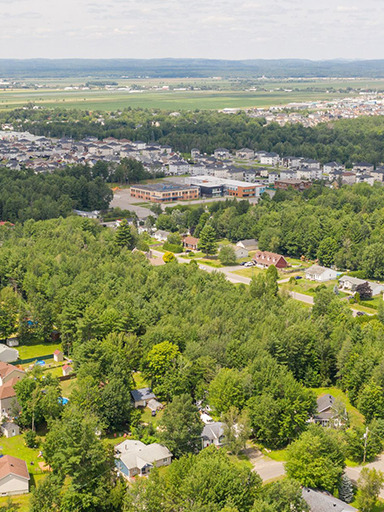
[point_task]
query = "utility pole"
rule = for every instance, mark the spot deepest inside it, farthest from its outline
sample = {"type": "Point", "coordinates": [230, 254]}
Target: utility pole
{"type": "Point", "coordinates": [365, 436]}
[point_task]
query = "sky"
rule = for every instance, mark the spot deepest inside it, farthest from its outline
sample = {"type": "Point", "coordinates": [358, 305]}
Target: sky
{"type": "Point", "coordinates": [218, 29]}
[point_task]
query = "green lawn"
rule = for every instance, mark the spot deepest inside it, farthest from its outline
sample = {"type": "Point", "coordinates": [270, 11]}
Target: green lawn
{"type": "Point", "coordinates": [37, 349]}
{"type": "Point", "coordinates": [146, 417]}
{"type": "Point", "coordinates": [362, 307]}
{"type": "Point", "coordinates": [355, 417]}
{"type": "Point", "coordinates": [67, 386]}
{"type": "Point", "coordinates": [140, 381]}
{"type": "Point", "coordinates": [249, 272]}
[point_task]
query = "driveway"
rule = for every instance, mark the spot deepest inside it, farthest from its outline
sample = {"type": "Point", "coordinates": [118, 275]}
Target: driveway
{"type": "Point", "coordinates": [267, 468]}
{"type": "Point", "coordinates": [378, 464]}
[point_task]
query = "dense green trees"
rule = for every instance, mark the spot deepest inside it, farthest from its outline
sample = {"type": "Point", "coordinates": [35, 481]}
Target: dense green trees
{"type": "Point", "coordinates": [317, 459]}
{"type": "Point", "coordinates": [25, 195]}
{"type": "Point", "coordinates": [181, 426]}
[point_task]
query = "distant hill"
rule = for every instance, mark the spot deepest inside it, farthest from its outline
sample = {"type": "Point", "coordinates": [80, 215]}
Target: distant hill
{"type": "Point", "coordinates": [183, 68]}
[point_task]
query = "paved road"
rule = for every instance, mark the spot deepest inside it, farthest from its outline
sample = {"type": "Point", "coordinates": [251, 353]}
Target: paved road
{"type": "Point", "coordinates": [308, 299]}
{"type": "Point", "coordinates": [378, 464]}
{"type": "Point", "coordinates": [268, 469]}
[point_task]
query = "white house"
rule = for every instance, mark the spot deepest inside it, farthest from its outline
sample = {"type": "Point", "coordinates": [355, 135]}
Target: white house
{"type": "Point", "coordinates": [213, 433]}
{"type": "Point", "coordinates": [240, 252]}
{"type": "Point", "coordinates": [10, 429]}
{"type": "Point", "coordinates": [319, 273]}
{"type": "Point", "coordinates": [58, 356]}
{"type": "Point", "coordinates": [269, 159]}
{"type": "Point", "coordinates": [161, 235]}
{"type": "Point", "coordinates": [14, 476]}
{"type": "Point", "coordinates": [134, 458]}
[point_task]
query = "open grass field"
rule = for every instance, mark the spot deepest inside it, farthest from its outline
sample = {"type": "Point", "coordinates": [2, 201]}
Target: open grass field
{"type": "Point", "coordinates": [168, 100]}
{"type": "Point", "coordinates": [37, 349]}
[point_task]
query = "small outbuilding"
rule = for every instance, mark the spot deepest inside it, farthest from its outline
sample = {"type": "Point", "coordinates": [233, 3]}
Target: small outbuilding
{"type": "Point", "coordinates": [10, 429]}
{"type": "Point", "coordinates": [67, 370]}
{"type": "Point", "coordinates": [58, 356]}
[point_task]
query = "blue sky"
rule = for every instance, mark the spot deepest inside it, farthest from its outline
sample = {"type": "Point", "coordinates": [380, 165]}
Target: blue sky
{"type": "Point", "coordinates": [225, 29]}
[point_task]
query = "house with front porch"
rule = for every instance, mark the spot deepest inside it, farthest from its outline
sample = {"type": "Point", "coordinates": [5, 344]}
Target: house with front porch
{"type": "Point", "coordinates": [134, 458]}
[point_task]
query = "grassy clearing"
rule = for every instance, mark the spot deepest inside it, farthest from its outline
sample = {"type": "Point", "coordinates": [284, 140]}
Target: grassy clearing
{"type": "Point", "coordinates": [355, 417]}
{"type": "Point", "coordinates": [37, 349]}
{"type": "Point", "coordinates": [140, 381]}
{"type": "Point", "coordinates": [365, 309]}
{"type": "Point", "coordinates": [249, 272]}
{"type": "Point", "coordinates": [67, 386]}
{"type": "Point", "coordinates": [279, 455]}
{"type": "Point", "coordinates": [146, 417]}
{"type": "Point", "coordinates": [241, 461]}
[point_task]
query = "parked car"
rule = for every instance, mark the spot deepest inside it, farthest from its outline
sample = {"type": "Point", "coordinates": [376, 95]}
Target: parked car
{"type": "Point", "coordinates": [298, 277]}
{"type": "Point", "coordinates": [249, 264]}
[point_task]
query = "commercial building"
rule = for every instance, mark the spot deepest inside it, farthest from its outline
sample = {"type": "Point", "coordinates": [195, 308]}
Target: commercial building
{"type": "Point", "coordinates": [214, 187]}
{"type": "Point", "coordinates": [165, 192]}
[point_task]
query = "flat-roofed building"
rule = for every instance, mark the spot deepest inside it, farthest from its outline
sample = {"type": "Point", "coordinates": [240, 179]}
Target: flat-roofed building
{"type": "Point", "coordinates": [233, 188]}
{"type": "Point", "coordinates": [165, 192]}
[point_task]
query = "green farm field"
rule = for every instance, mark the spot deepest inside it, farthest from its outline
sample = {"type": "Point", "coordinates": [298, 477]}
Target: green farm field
{"type": "Point", "coordinates": [228, 95]}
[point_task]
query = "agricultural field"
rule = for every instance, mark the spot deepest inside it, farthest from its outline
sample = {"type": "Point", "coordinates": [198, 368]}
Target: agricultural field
{"type": "Point", "coordinates": [215, 95]}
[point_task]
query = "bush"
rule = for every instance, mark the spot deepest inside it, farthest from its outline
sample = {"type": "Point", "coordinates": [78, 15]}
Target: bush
{"type": "Point", "coordinates": [30, 438]}
{"type": "Point", "coordinates": [172, 247]}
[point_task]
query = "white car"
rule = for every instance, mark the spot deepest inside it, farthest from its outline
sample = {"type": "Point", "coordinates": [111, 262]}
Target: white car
{"type": "Point", "coordinates": [249, 264]}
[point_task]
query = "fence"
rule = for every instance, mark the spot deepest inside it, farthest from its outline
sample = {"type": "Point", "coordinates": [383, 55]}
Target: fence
{"type": "Point", "coordinates": [32, 359]}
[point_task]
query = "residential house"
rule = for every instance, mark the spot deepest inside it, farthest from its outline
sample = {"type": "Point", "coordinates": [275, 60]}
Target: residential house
{"type": "Point", "coordinates": [351, 283]}
{"type": "Point", "coordinates": [195, 153]}
{"type": "Point", "coordinates": [10, 429]}
{"type": "Point", "coordinates": [250, 244]}
{"type": "Point", "coordinates": [245, 154]}
{"type": "Point", "coordinates": [142, 396]}
{"type": "Point", "coordinates": [8, 354]}
{"type": "Point", "coordinates": [134, 458]}
{"type": "Point", "coordinates": [190, 242]}
{"type": "Point", "coordinates": [348, 178]}
{"type": "Point", "coordinates": [363, 166]}
{"type": "Point", "coordinates": [240, 252]}
{"type": "Point", "coordinates": [14, 476]}
{"type": "Point", "coordinates": [58, 356]}
{"type": "Point", "coordinates": [324, 502]}
{"type": "Point", "coordinates": [265, 259]}
{"type": "Point", "coordinates": [288, 174]}
{"type": "Point", "coordinates": [213, 433]}
{"type": "Point", "coordinates": [378, 174]}
{"type": "Point", "coordinates": [273, 176]}
{"type": "Point", "coordinates": [319, 273]}
{"type": "Point", "coordinates": [221, 153]}
{"type": "Point", "coordinates": [325, 410]}
{"type": "Point", "coordinates": [269, 159]}
{"type": "Point", "coordinates": [154, 405]}
{"type": "Point", "coordinates": [292, 161]}
{"type": "Point", "coordinates": [161, 235]}
{"type": "Point", "coordinates": [331, 167]}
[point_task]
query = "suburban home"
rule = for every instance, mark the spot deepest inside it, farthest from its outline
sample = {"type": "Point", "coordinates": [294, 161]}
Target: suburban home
{"type": "Point", "coordinates": [213, 433]}
{"type": "Point", "coordinates": [325, 410]}
{"type": "Point", "coordinates": [8, 354]}
{"type": "Point", "coordinates": [134, 458]}
{"type": "Point", "coordinates": [251, 244]}
{"type": "Point", "coordinates": [240, 252]}
{"type": "Point", "coordinates": [190, 242]}
{"type": "Point", "coordinates": [14, 476]}
{"type": "Point", "coordinates": [222, 153]}
{"type": "Point", "coordinates": [319, 273]}
{"type": "Point", "coordinates": [323, 502]}
{"type": "Point", "coordinates": [10, 429]}
{"type": "Point", "coordinates": [9, 372]}
{"type": "Point", "coordinates": [67, 370]}
{"type": "Point", "coordinates": [142, 396]}
{"type": "Point", "coordinates": [269, 159]}
{"type": "Point", "coordinates": [161, 235]}
{"type": "Point", "coordinates": [265, 259]}
{"type": "Point", "coordinates": [245, 153]}
{"type": "Point", "coordinates": [58, 356]}
{"type": "Point", "coordinates": [351, 283]}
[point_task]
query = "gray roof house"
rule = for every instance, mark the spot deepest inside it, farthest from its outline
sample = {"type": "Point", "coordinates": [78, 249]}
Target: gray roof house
{"type": "Point", "coordinates": [351, 283]}
{"type": "Point", "coordinates": [322, 502]}
{"type": "Point", "coordinates": [213, 433]}
{"type": "Point", "coordinates": [8, 354]}
{"type": "Point", "coordinates": [250, 244]}
{"type": "Point", "coordinates": [134, 458]}
{"type": "Point", "coordinates": [326, 411]}
{"type": "Point", "coordinates": [10, 429]}
{"type": "Point", "coordinates": [142, 396]}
